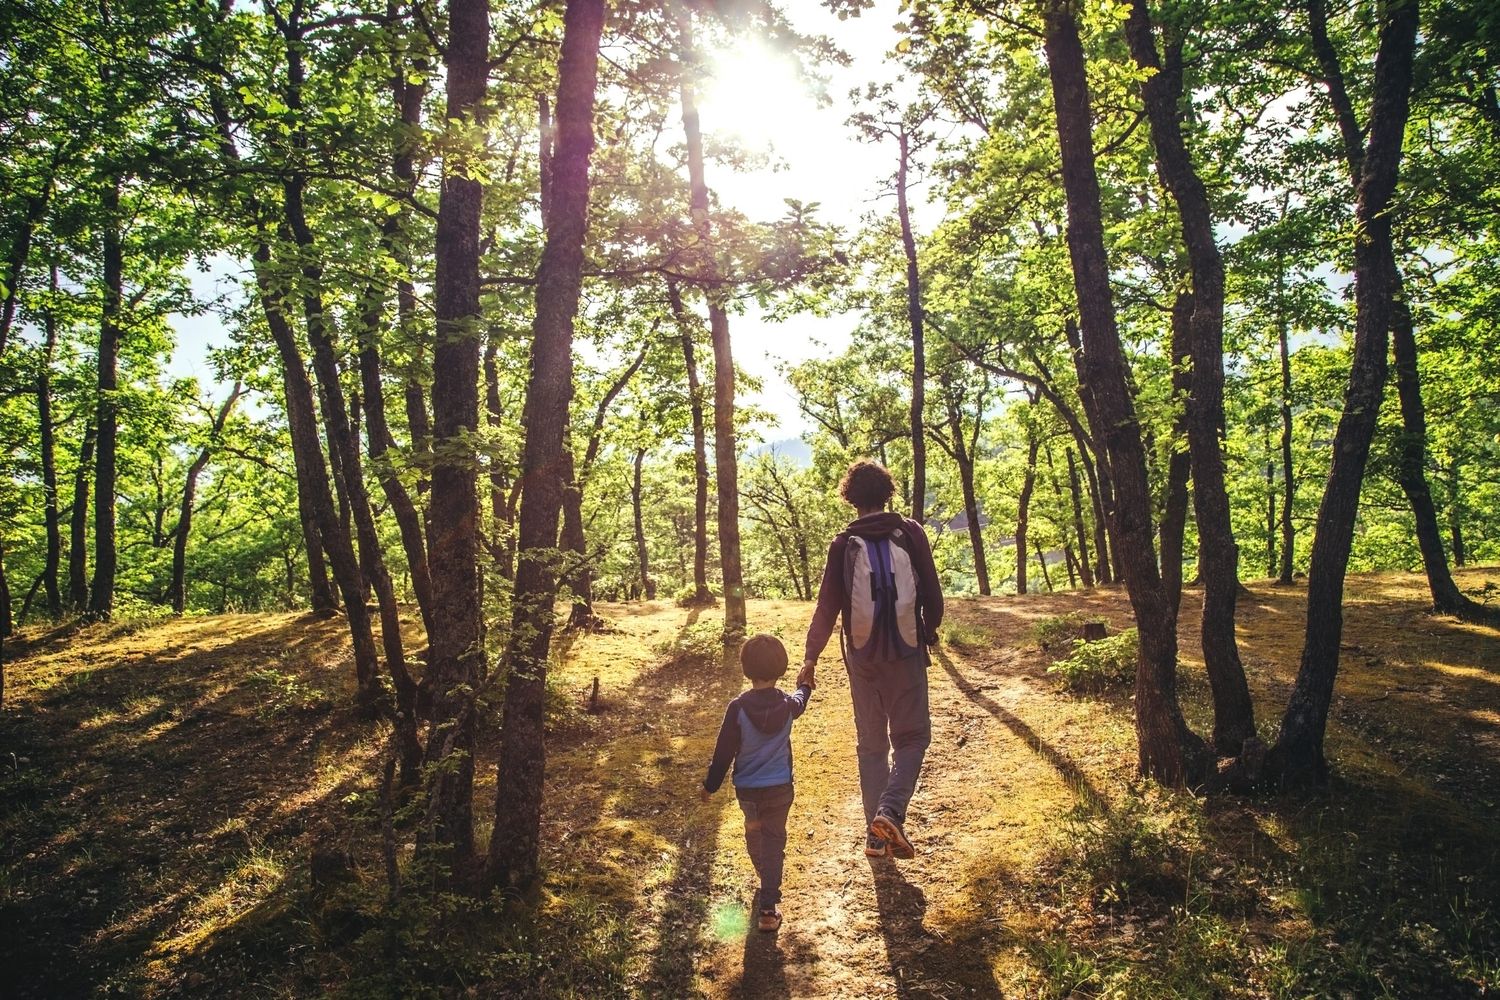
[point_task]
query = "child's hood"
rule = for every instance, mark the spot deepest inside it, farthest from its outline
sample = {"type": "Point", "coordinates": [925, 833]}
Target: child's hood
{"type": "Point", "coordinates": [768, 709]}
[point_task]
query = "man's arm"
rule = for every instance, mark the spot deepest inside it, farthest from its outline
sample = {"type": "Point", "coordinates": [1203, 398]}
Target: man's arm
{"type": "Point", "coordinates": [930, 586]}
{"type": "Point", "coordinates": [830, 601]}
{"type": "Point", "coordinates": [725, 748]}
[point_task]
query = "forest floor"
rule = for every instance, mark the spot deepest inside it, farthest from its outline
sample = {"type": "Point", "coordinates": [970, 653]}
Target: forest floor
{"type": "Point", "coordinates": [163, 784]}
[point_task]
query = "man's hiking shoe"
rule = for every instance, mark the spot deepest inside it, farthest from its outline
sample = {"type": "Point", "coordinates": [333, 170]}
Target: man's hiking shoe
{"type": "Point", "coordinates": [876, 847]}
{"type": "Point", "coordinates": [770, 920]}
{"type": "Point", "coordinates": [885, 827]}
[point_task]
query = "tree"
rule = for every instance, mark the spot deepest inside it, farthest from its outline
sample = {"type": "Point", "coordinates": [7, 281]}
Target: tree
{"type": "Point", "coordinates": [455, 658]}
{"type": "Point", "coordinates": [1298, 754]}
{"type": "Point", "coordinates": [518, 798]}
{"type": "Point", "coordinates": [726, 455]}
{"type": "Point", "coordinates": [1169, 751]}
{"type": "Point", "coordinates": [1234, 716]}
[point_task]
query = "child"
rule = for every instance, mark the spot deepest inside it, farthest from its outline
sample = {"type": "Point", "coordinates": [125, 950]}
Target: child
{"type": "Point", "coordinates": [757, 737]}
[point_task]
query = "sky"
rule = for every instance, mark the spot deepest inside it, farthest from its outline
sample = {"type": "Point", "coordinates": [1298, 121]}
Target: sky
{"type": "Point", "coordinates": [757, 96]}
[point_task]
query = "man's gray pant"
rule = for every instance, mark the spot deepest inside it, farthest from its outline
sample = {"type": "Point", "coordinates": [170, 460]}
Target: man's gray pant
{"type": "Point", "coordinates": [894, 727]}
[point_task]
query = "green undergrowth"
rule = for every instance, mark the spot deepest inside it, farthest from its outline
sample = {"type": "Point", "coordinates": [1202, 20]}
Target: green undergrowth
{"type": "Point", "coordinates": [1098, 664]}
{"type": "Point", "coordinates": [1162, 895]}
{"type": "Point", "coordinates": [1053, 632]}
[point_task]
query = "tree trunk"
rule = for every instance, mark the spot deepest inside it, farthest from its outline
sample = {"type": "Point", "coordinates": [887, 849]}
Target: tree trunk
{"type": "Point", "coordinates": [701, 593]}
{"type": "Point", "coordinates": [1218, 553]}
{"type": "Point", "coordinates": [1455, 516]}
{"type": "Point", "coordinates": [7, 625]}
{"type": "Point", "coordinates": [456, 650]}
{"type": "Point", "coordinates": [102, 589]}
{"type": "Point", "coordinates": [1288, 480]}
{"type": "Point", "coordinates": [1270, 517]}
{"type": "Point", "coordinates": [378, 444]}
{"type": "Point", "coordinates": [78, 524]}
{"type": "Point", "coordinates": [1084, 570]}
{"type": "Point", "coordinates": [915, 318]}
{"type": "Point", "coordinates": [1023, 510]}
{"type": "Point", "coordinates": [1168, 750]}
{"type": "Point", "coordinates": [726, 458]}
{"type": "Point", "coordinates": [312, 479]}
{"type": "Point", "coordinates": [1101, 488]}
{"type": "Point", "coordinates": [518, 797]}
{"type": "Point", "coordinates": [177, 589]}
{"type": "Point", "coordinates": [1179, 465]}
{"type": "Point", "coordinates": [1041, 560]}
{"type": "Point", "coordinates": [1298, 756]}
{"type": "Point", "coordinates": [50, 509]}
{"type": "Point", "coordinates": [581, 579]}
{"type": "Point", "coordinates": [964, 459]}
{"type": "Point", "coordinates": [643, 565]}
{"type": "Point", "coordinates": [1411, 466]}
{"type": "Point", "coordinates": [20, 250]}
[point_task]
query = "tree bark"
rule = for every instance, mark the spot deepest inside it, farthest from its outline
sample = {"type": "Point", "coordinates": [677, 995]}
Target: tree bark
{"type": "Point", "coordinates": [1455, 515]}
{"type": "Point", "coordinates": [643, 564]}
{"type": "Point", "coordinates": [1288, 479]}
{"type": "Point", "coordinates": [1218, 553]}
{"type": "Point", "coordinates": [580, 579]}
{"type": "Point", "coordinates": [1298, 755]}
{"type": "Point", "coordinates": [378, 443]}
{"type": "Point", "coordinates": [1084, 570]}
{"type": "Point", "coordinates": [102, 588]}
{"type": "Point", "coordinates": [50, 508]}
{"type": "Point", "coordinates": [1179, 465]}
{"type": "Point", "coordinates": [456, 649]}
{"type": "Point", "coordinates": [78, 524]}
{"type": "Point", "coordinates": [20, 250]}
{"type": "Point", "coordinates": [177, 588]}
{"type": "Point", "coordinates": [1411, 467]}
{"type": "Point", "coordinates": [963, 457]}
{"type": "Point", "coordinates": [518, 798]}
{"type": "Point", "coordinates": [915, 318]}
{"type": "Point", "coordinates": [312, 479]}
{"type": "Point", "coordinates": [726, 459]}
{"type": "Point", "coordinates": [1168, 750]}
{"type": "Point", "coordinates": [701, 593]}
{"type": "Point", "coordinates": [1023, 510]}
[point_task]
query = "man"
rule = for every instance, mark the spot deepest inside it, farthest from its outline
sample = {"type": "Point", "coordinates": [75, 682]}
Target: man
{"type": "Point", "coordinates": [880, 576]}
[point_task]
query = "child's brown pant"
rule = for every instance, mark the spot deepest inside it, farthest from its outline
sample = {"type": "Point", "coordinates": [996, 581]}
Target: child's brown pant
{"type": "Point", "coordinates": [765, 812]}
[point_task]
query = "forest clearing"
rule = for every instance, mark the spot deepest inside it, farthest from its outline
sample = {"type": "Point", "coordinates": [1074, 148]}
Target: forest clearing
{"type": "Point", "coordinates": [177, 776]}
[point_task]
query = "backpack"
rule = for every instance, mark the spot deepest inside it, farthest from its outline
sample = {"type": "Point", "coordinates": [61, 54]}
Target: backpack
{"type": "Point", "coordinates": [880, 595]}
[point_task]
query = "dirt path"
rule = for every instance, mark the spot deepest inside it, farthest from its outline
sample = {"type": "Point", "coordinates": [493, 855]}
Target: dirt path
{"type": "Point", "coordinates": [1010, 763]}
{"type": "Point", "coordinates": [993, 785]}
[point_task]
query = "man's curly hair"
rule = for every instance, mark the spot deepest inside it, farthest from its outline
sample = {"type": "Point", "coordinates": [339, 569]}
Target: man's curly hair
{"type": "Point", "coordinates": [867, 485]}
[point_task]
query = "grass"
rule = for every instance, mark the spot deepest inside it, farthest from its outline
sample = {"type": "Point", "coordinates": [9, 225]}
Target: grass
{"type": "Point", "coordinates": [166, 785]}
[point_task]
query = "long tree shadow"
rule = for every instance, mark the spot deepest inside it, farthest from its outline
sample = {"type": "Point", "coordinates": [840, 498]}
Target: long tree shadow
{"type": "Point", "coordinates": [923, 964]}
{"type": "Point", "coordinates": [1065, 766]}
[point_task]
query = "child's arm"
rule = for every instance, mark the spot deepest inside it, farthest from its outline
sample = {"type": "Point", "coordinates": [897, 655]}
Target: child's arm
{"type": "Point", "coordinates": [800, 698]}
{"type": "Point", "coordinates": [725, 748]}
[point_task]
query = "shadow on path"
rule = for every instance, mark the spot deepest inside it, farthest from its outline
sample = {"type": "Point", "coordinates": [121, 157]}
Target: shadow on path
{"type": "Point", "coordinates": [1065, 765]}
{"type": "Point", "coordinates": [923, 964]}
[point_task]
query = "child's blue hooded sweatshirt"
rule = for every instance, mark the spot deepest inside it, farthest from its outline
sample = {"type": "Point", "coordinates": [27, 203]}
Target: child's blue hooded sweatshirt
{"type": "Point", "coordinates": [757, 737]}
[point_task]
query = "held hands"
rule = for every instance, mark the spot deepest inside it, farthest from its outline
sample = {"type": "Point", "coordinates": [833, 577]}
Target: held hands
{"type": "Point", "coordinates": [806, 674]}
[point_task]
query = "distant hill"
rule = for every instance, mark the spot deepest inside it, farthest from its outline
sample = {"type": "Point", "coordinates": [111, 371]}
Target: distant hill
{"type": "Point", "coordinates": [795, 449]}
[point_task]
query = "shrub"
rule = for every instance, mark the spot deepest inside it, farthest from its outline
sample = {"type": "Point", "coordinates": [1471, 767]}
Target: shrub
{"type": "Point", "coordinates": [1099, 664]}
{"type": "Point", "coordinates": [1052, 631]}
{"type": "Point", "coordinates": [964, 637]}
